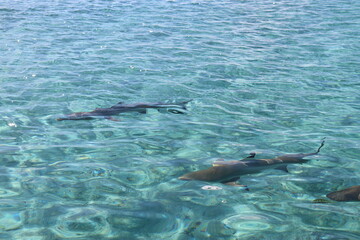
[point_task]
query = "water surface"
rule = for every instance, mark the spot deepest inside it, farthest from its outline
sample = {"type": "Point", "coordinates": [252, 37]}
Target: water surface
{"type": "Point", "coordinates": [271, 77]}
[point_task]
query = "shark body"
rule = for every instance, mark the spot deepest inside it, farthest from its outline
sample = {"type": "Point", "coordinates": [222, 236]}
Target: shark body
{"type": "Point", "coordinates": [228, 172]}
{"type": "Point", "coordinates": [107, 113]}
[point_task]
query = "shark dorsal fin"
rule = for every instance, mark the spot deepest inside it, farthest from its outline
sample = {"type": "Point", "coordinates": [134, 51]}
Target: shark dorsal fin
{"type": "Point", "coordinates": [117, 105]}
{"type": "Point", "coordinates": [251, 155]}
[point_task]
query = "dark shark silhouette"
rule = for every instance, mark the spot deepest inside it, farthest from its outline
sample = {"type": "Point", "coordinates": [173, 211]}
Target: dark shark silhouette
{"type": "Point", "coordinates": [176, 108]}
{"type": "Point", "coordinates": [228, 172]}
{"type": "Point", "coordinates": [346, 195]}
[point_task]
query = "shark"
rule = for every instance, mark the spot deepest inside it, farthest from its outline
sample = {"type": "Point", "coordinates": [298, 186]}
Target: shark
{"type": "Point", "coordinates": [346, 195]}
{"type": "Point", "coordinates": [107, 113]}
{"type": "Point", "coordinates": [228, 172]}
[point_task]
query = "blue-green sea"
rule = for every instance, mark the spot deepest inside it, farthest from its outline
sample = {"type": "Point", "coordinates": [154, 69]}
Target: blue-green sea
{"type": "Point", "coordinates": [270, 77]}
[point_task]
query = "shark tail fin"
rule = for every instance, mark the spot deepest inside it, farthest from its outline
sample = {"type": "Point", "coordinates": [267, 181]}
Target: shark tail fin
{"type": "Point", "coordinates": [302, 155]}
{"type": "Point", "coordinates": [321, 145]}
{"type": "Point", "coordinates": [317, 151]}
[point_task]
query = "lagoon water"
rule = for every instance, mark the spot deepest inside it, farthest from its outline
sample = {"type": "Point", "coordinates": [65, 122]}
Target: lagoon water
{"type": "Point", "coordinates": [270, 77]}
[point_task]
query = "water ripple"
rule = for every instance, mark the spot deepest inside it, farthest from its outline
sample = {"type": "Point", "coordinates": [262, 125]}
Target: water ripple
{"type": "Point", "coordinates": [265, 76]}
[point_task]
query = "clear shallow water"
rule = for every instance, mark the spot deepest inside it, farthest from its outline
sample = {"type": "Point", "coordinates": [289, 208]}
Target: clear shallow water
{"type": "Point", "coordinates": [268, 76]}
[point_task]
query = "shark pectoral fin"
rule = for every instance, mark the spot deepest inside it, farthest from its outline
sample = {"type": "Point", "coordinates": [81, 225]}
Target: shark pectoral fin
{"type": "Point", "coordinates": [283, 168]}
{"type": "Point", "coordinates": [235, 184]}
{"type": "Point", "coordinates": [142, 111]}
{"type": "Point", "coordinates": [112, 119]}
{"type": "Point", "coordinates": [234, 179]}
{"type": "Point", "coordinates": [232, 182]}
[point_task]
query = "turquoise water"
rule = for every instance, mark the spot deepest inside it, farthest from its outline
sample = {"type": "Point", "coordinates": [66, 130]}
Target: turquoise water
{"type": "Point", "coordinates": [271, 77]}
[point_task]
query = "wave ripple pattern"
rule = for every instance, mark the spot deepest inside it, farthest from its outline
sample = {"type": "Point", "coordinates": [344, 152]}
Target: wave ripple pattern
{"type": "Point", "coordinates": [269, 77]}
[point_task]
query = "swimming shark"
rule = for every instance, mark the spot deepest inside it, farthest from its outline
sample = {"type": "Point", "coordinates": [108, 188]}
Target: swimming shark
{"type": "Point", "coordinates": [228, 172]}
{"type": "Point", "coordinates": [346, 195]}
{"type": "Point", "coordinates": [176, 108]}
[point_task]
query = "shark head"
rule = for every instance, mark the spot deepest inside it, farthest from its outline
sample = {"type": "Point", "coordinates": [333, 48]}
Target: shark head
{"type": "Point", "coordinates": [348, 194]}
